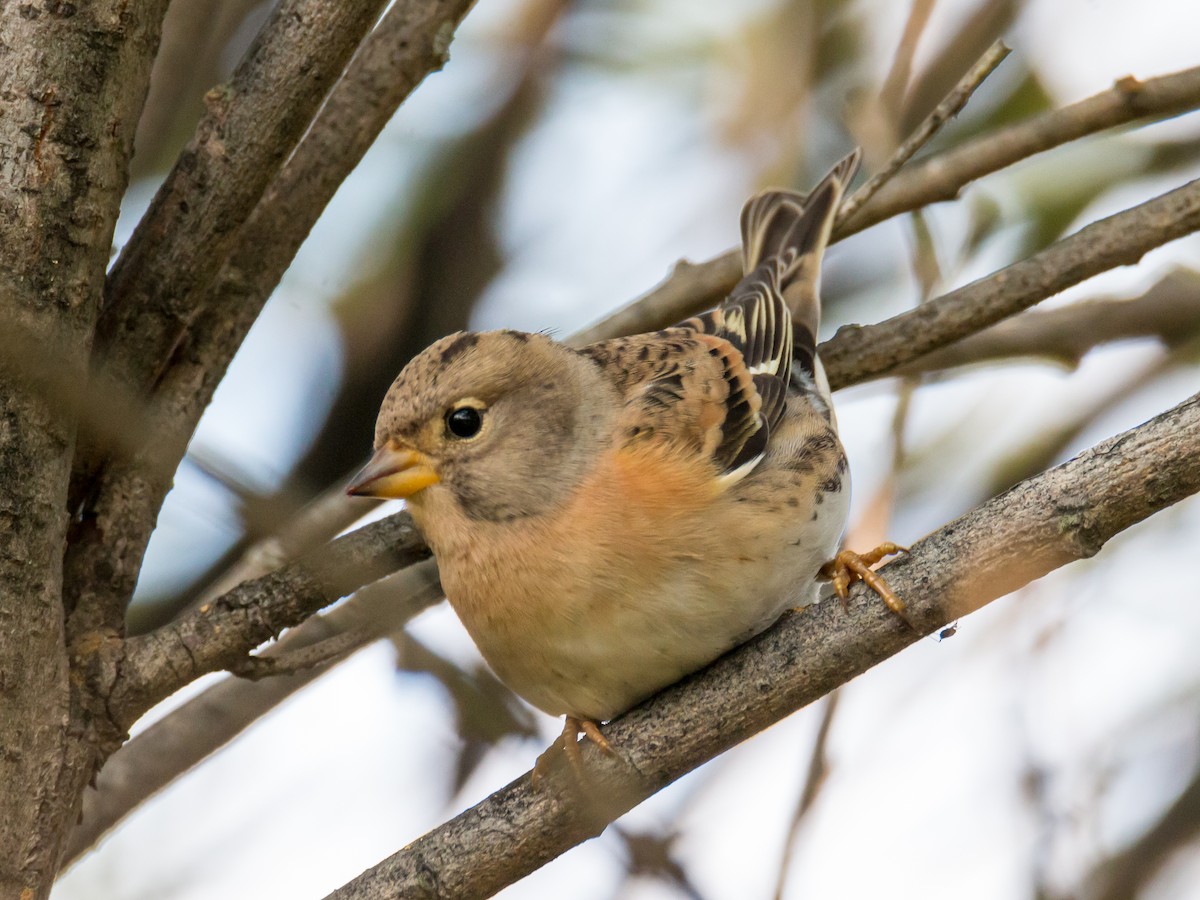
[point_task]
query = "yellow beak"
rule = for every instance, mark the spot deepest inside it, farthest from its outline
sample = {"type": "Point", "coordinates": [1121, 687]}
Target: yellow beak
{"type": "Point", "coordinates": [394, 473]}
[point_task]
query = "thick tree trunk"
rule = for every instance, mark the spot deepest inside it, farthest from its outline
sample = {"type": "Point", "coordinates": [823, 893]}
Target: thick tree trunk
{"type": "Point", "coordinates": [72, 81]}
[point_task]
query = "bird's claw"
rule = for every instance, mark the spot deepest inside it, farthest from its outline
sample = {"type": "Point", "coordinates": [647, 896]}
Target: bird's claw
{"type": "Point", "coordinates": [568, 742]}
{"type": "Point", "coordinates": [848, 567]}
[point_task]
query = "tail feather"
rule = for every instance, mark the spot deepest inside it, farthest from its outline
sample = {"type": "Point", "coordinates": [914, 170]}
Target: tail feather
{"type": "Point", "coordinates": [787, 232]}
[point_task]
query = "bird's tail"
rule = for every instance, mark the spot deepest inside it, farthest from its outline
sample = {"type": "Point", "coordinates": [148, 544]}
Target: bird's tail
{"type": "Point", "coordinates": [789, 231]}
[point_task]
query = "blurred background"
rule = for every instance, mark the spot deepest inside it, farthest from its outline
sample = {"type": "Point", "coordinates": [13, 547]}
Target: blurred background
{"type": "Point", "coordinates": [568, 155]}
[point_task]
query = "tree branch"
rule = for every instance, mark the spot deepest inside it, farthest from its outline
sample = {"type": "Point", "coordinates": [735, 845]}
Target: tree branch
{"type": "Point", "coordinates": [409, 43]}
{"type": "Point", "coordinates": [1065, 514]}
{"type": "Point", "coordinates": [1168, 311]}
{"type": "Point", "coordinates": [185, 736]}
{"type": "Point", "coordinates": [219, 634]}
{"type": "Point", "coordinates": [251, 125]}
{"type": "Point", "coordinates": [942, 176]}
{"type": "Point", "coordinates": [692, 287]}
{"type": "Point", "coordinates": [859, 353]}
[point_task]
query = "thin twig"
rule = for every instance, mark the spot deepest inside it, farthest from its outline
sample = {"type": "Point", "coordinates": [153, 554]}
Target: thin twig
{"type": "Point", "coordinates": [691, 287]}
{"type": "Point", "coordinates": [942, 113]}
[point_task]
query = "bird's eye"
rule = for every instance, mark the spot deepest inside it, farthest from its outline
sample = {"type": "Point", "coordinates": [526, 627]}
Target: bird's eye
{"type": "Point", "coordinates": [464, 421]}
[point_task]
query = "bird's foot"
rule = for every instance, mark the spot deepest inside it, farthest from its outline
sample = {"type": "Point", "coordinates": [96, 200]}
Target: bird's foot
{"type": "Point", "coordinates": [568, 742]}
{"type": "Point", "coordinates": [848, 567]}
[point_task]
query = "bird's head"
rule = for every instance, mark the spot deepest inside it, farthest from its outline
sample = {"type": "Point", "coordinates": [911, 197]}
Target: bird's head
{"type": "Point", "coordinates": [499, 424]}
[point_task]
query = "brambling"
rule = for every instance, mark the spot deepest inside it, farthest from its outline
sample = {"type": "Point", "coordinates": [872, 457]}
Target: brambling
{"type": "Point", "coordinates": [609, 519]}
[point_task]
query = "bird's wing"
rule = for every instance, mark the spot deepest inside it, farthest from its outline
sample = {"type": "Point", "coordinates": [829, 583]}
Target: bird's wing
{"type": "Point", "coordinates": [713, 385]}
{"type": "Point", "coordinates": [718, 383]}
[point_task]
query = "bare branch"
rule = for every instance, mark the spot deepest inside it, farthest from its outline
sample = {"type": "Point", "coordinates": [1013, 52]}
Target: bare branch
{"type": "Point", "coordinates": [695, 286]}
{"type": "Point", "coordinates": [950, 107]}
{"type": "Point", "coordinates": [1168, 311]}
{"type": "Point", "coordinates": [200, 727]}
{"type": "Point", "coordinates": [1062, 515]}
{"type": "Point", "coordinates": [858, 353]}
{"type": "Point", "coordinates": [1127, 873]}
{"type": "Point", "coordinates": [219, 634]}
{"type": "Point", "coordinates": [410, 42]}
{"type": "Point", "coordinates": [250, 127]}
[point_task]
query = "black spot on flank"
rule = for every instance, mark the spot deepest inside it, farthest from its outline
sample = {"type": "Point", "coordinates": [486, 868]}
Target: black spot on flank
{"type": "Point", "coordinates": [519, 336]}
{"type": "Point", "coordinates": [830, 485]}
{"type": "Point", "coordinates": [644, 353]}
{"type": "Point", "coordinates": [793, 502]}
{"type": "Point", "coordinates": [674, 382]}
{"type": "Point", "coordinates": [459, 345]}
{"type": "Point", "coordinates": [820, 498]}
{"type": "Point", "coordinates": [813, 517]}
{"type": "Point", "coordinates": [842, 464]}
{"type": "Point", "coordinates": [819, 443]}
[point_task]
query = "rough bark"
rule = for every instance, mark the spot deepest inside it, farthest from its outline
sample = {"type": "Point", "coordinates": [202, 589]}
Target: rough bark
{"type": "Point", "coordinates": [220, 304]}
{"type": "Point", "coordinates": [215, 636]}
{"type": "Point", "coordinates": [73, 78]}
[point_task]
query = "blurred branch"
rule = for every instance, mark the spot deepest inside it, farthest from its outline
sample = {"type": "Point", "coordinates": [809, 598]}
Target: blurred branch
{"type": "Point", "coordinates": [1127, 873]}
{"type": "Point", "coordinates": [1060, 516]}
{"type": "Point", "coordinates": [693, 286]}
{"type": "Point", "coordinates": [891, 92]}
{"type": "Point", "coordinates": [1168, 311]}
{"type": "Point", "coordinates": [814, 780]}
{"type": "Point", "coordinates": [204, 724]}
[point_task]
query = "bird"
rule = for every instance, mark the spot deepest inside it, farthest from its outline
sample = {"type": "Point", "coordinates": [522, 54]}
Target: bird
{"type": "Point", "coordinates": [610, 518]}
